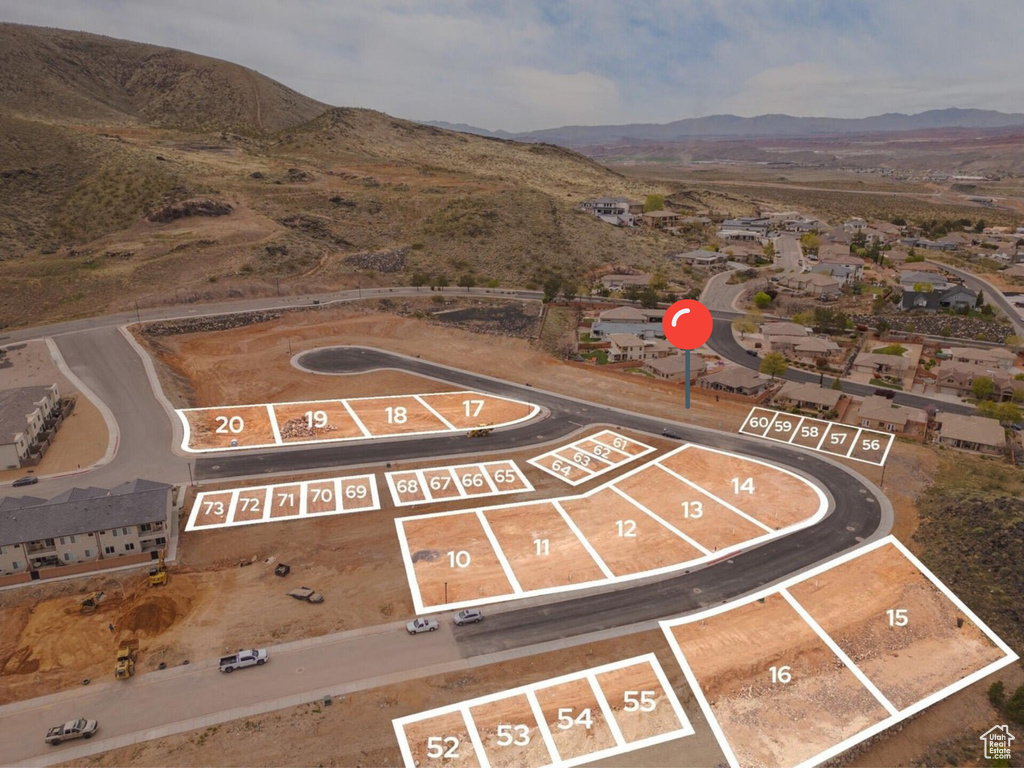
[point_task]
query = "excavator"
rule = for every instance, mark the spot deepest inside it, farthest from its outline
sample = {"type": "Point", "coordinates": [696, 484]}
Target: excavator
{"type": "Point", "coordinates": [158, 574]}
{"type": "Point", "coordinates": [481, 431]}
{"type": "Point", "coordinates": [91, 604]}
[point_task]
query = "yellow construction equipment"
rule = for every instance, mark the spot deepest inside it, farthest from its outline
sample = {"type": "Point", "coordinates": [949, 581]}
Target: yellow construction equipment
{"type": "Point", "coordinates": [92, 603]}
{"type": "Point", "coordinates": [126, 659]}
{"type": "Point", "coordinates": [158, 574]}
{"type": "Point", "coordinates": [481, 431]}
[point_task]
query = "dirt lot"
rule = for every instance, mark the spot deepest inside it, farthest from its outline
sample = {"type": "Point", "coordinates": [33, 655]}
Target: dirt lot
{"type": "Point", "coordinates": [907, 663]}
{"type": "Point", "coordinates": [82, 439]}
{"type": "Point", "coordinates": [357, 730]}
{"type": "Point", "coordinates": [775, 724]}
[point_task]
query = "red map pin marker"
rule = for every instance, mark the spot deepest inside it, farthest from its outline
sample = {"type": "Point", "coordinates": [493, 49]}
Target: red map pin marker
{"type": "Point", "coordinates": [687, 324]}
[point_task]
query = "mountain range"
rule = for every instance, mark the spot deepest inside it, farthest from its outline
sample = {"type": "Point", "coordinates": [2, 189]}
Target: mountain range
{"type": "Point", "coordinates": [762, 126]}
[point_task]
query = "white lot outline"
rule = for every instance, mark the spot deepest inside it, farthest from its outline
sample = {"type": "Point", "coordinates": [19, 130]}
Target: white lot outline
{"type": "Point", "coordinates": [345, 402]}
{"type": "Point", "coordinates": [530, 692]}
{"type": "Point", "coordinates": [486, 467]}
{"type": "Point", "coordinates": [574, 446]}
{"type": "Point", "coordinates": [410, 570]}
{"type": "Point", "coordinates": [759, 412]}
{"type": "Point", "coordinates": [373, 502]}
{"type": "Point", "coordinates": [783, 588]}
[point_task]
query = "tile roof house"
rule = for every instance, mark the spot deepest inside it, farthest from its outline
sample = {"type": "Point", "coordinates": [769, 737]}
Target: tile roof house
{"type": "Point", "coordinates": [910, 278]}
{"type": "Point", "coordinates": [614, 282]}
{"type": "Point", "coordinates": [673, 367]}
{"type": "Point", "coordinates": [701, 258]}
{"type": "Point", "coordinates": [997, 357]}
{"type": "Point", "coordinates": [881, 413]}
{"type": "Point", "coordinates": [83, 525]}
{"type": "Point", "coordinates": [971, 433]}
{"type": "Point", "coordinates": [881, 365]}
{"type": "Point", "coordinates": [24, 415]}
{"type": "Point", "coordinates": [809, 396]}
{"type": "Point", "coordinates": [736, 379]}
{"type": "Point", "coordinates": [660, 219]}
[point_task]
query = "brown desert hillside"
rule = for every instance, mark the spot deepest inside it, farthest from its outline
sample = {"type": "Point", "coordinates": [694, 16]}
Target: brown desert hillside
{"type": "Point", "coordinates": [130, 172]}
{"type": "Point", "coordinates": [65, 75]}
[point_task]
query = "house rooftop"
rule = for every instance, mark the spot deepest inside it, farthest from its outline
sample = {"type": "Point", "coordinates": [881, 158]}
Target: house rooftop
{"type": "Point", "coordinates": [878, 408]}
{"type": "Point", "coordinates": [735, 376]}
{"type": "Point", "coordinates": [15, 405]}
{"type": "Point", "coordinates": [82, 510]}
{"type": "Point", "coordinates": [626, 340]}
{"type": "Point", "coordinates": [674, 364]}
{"type": "Point", "coordinates": [972, 429]}
{"type": "Point", "coordinates": [784, 329]}
{"type": "Point", "coordinates": [810, 393]}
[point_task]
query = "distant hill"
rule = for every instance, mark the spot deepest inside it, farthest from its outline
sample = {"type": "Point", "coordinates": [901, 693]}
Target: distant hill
{"type": "Point", "coordinates": [464, 128]}
{"type": "Point", "coordinates": [762, 126]}
{"type": "Point", "coordinates": [59, 74]}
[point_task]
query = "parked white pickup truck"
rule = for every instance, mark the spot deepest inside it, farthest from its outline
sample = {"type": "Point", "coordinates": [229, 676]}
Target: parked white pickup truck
{"type": "Point", "coordinates": [256, 657]}
{"type": "Point", "coordinates": [72, 729]}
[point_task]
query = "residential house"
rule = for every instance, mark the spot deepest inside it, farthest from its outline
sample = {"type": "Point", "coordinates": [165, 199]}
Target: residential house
{"type": "Point", "coordinates": [673, 367]}
{"type": "Point", "coordinates": [882, 232]}
{"type": "Point", "coordinates": [1016, 271]}
{"type": "Point", "coordinates": [993, 357]}
{"type": "Point", "coordinates": [783, 328]}
{"type": "Point", "coordinates": [616, 282]}
{"type": "Point", "coordinates": [602, 330]}
{"type": "Point", "coordinates": [606, 206]}
{"type": "Point", "coordinates": [739, 235]}
{"type": "Point", "coordinates": [957, 298]}
{"type": "Point", "coordinates": [736, 380]}
{"type": "Point", "coordinates": [83, 525]}
{"type": "Point", "coordinates": [757, 225]}
{"type": "Point", "coordinates": [844, 274]}
{"type": "Point", "coordinates": [815, 348]}
{"type": "Point", "coordinates": [26, 422]}
{"type": "Point", "coordinates": [813, 283]}
{"type": "Point", "coordinates": [660, 219]}
{"type": "Point", "coordinates": [881, 365]}
{"type": "Point", "coordinates": [631, 315]}
{"type": "Point", "coordinates": [630, 347]}
{"type": "Point", "coordinates": [957, 378]}
{"type": "Point", "coordinates": [877, 412]}
{"type": "Point", "coordinates": [701, 258]}
{"type": "Point", "coordinates": [971, 433]}
{"type": "Point", "coordinates": [911, 278]}
{"type": "Point", "coordinates": [808, 396]}
{"type": "Point", "coordinates": [837, 235]}
{"type": "Point", "coordinates": [931, 245]}
{"type": "Point", "coordinates": [855, 225]}
{"type": "Point", "coordinates": [834, 250]}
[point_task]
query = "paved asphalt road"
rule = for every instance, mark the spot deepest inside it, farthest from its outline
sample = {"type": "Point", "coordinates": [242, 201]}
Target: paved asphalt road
{"type": "Point", "coordinates": [725, 344]}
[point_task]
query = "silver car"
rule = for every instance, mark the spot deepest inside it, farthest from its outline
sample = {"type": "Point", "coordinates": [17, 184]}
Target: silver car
{"type": "Point", "coordinates": [468, 616]}
{"type": "Point", "coordinates": [421, 625]}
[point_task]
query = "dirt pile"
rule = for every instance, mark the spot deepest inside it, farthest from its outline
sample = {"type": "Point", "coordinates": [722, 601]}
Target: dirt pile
{"type": "Point", "coordinates": [301, 428]}
{"type": "Point", "coordinates": [150, 616]}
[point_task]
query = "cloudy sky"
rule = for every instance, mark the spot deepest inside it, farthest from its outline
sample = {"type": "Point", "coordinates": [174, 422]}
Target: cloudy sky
{"type": "Point", "coordinates": [528, 64]}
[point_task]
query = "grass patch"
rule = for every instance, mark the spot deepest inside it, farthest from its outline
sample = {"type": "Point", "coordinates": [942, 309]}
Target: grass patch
{"type": "Point", "coordinates": [891, 349]}
{"type": "Point", "coordinates": [599, 355]}
{"type": "Point", "coordinates": [886, 384]}
{"type": "Point", "coordinates": [640, 371]}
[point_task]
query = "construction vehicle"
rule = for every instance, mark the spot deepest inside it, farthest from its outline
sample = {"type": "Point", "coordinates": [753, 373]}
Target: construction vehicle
{"type": "Point", "coordinates": [158, 574]}
{"type": "Point", "coordinates": [126, 659]}
{"type": "Point", "coordinates": [481, 431]}
{"type": "Point", "coordinates": [91, 604]}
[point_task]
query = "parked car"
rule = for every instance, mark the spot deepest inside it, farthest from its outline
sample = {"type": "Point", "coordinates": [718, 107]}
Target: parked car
{"type": "Point", "coordinates": [307, 594]}
{"type": "Point", "coordinates": [27, 480]}
{"type": "Point", "coordinates": [255, 657]}
{"type": "Point", "coordinates": [888, 393]}
{"type": "Point", "coordinates": [752, 352]}
{"type": "Point", "coordinates": [671, 434]}
{"type": "Point", "coordinates": [72, 729]}
{"type": "Point", "coordinates": [421, 625]}
{"type": "Point", "coordinates": [468, 616]}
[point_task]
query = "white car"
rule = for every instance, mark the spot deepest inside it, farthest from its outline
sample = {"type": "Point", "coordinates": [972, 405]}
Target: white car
{"type": "Point", "coordinates": [468, 616]}
{"type": "Point", "coordinates": [421, 625]}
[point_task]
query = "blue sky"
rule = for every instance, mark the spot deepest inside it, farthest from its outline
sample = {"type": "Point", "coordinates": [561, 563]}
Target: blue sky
{"type": "Point", "coordinates": [528, 64]}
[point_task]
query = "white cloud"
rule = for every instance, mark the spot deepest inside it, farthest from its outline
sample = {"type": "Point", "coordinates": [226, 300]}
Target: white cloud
{"type": "Point", "coordinates": [523, 64]}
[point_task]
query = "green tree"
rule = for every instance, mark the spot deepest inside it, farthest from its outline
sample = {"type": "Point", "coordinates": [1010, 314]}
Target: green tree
{"type": "Point", "coordinates": [979, 227]}
{"type": "Point", "coordinates": [631, 292]}
{"type": "Point", "coordinates": [466, 280]}
{"type": "Point", "coordinates": [997, 694]}
{"type": "Point", "coordinates": [654, 202]}
{"type": "Point", "coordinates": [570, 290]}
{"type": "Point", "coordinates": [744, 325]}
{"type": "Point", "coordinates": [441, 280]}
{"type": "Point", "coordinates": [1008, 413]}
{"type": "Point", "coordinates": [551, 287]}
{"type": "Point", "coordinates": [810, 242]}
{"type": "Point", "coordinates": [882, 327]}
{"type": "Point", "coordinates": [983, 387]}
{"type": "Point", "coordinates": [649, 298]}
{"type": "Point", "coordinates": [774, 364]}
{"type": "Point", "coordinates": [1014, 342]}
{"type": "Point", "coordinates": [419, 278]}
{"type": "Point", "coordinates": [1014, 709]}
{"type": "Point", "coordinates": [769, 250]}
{"type": "Point", "coordinates": [923, 287]}
{"type": "Point", "coordinates": [658, 282]}
{"type": "Point", "coordinates": [899, 221]}
{"type": "Point", "coordinates": [493, 282]}
{"type": "Point", "coordinates": [762, 300]}
{"type": "Point", "coordinates": [837, 384]}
